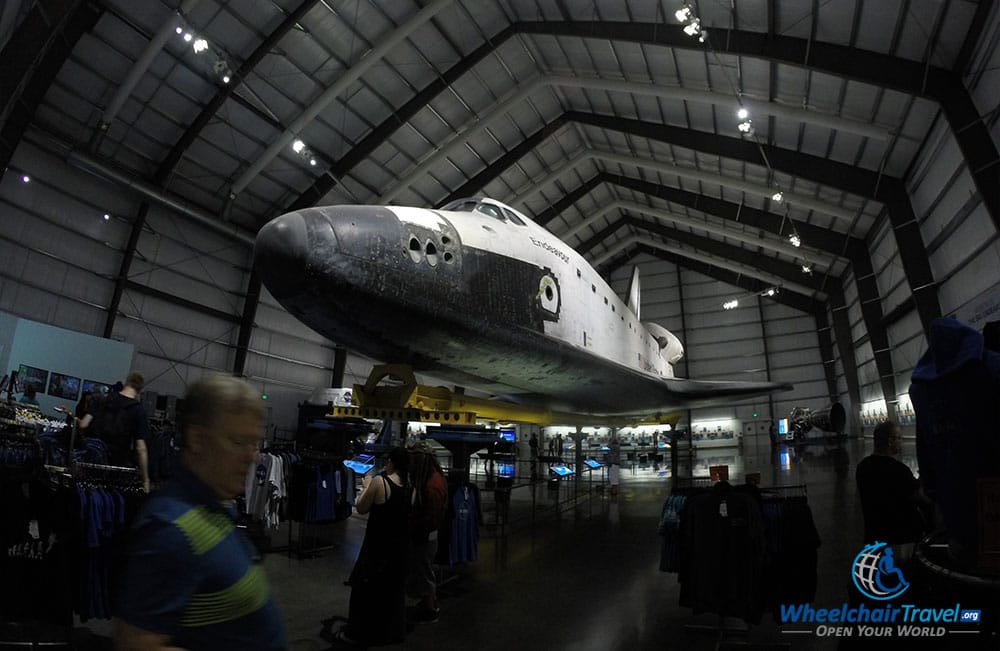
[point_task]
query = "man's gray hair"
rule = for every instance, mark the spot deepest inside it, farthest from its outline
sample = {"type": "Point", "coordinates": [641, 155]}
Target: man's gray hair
{"type": "Point", "coordinates": [214, 396]}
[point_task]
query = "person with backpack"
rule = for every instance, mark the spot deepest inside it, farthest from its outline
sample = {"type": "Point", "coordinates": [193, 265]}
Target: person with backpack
{"type": "Point", "coordinates": [427, 511]}
{"type": "Point", "coordinates": [119, 420]}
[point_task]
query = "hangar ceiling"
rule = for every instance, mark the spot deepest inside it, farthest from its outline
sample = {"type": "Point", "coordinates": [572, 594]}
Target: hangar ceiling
{"type": "Point", "coordinates": [602, 119]}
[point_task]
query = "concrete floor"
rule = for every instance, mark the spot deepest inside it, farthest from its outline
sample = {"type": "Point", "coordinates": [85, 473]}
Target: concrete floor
{"type": "Point", "coordinates": [587, 578]}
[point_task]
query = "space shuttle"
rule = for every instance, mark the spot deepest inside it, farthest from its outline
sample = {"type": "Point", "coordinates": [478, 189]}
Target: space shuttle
{"type": "Point", "coordinates": [477, 294]}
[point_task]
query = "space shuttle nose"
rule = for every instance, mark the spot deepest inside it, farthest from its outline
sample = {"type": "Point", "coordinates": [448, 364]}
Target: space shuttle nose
{"type": "Point", "coordinates": [281, 253]}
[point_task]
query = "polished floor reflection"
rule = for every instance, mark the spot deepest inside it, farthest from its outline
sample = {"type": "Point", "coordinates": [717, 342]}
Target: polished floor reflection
{"type": "Point", "coordinates": [578, 569]}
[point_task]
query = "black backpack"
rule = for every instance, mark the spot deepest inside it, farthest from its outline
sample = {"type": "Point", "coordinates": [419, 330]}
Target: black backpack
{"type": "Point", "coordinates": [113, 418]}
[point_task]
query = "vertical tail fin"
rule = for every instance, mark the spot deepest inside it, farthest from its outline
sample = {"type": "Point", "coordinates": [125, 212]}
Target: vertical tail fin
{"type": "Point", "coordinates": [634, 296]}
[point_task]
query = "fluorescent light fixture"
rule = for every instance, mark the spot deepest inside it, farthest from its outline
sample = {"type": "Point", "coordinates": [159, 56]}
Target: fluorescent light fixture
{"type": "Point", "coordinates": [794, 239]}
{"type": "Point", "coordinates": [742, 114]}
{"type": "Point", "coordinates": [777, 196]}
{"type": "Point", "coordinates": [298, 146]}
{"type": "Point", "coordinates": [200, 46]}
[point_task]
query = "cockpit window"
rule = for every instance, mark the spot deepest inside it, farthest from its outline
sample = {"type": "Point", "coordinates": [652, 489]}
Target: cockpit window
{"type": "Point", "coordinates": [511, 215]}
{"type": "Point", "coordinates": [461, 206]}
{"type": "Point", "coordinates": [492, 211]}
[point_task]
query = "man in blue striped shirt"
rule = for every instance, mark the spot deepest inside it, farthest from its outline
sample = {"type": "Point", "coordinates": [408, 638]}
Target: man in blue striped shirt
{"type": "Point", "coordinates": [192, 580]}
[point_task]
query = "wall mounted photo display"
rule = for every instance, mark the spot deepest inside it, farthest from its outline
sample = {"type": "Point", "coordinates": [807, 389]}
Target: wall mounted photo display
{"type": "Point", "coordinates": [31, 376]}
{"type": "Point", "coordinates": [64, 386]}
{"type": "Point", "coordinates": [95, 387]}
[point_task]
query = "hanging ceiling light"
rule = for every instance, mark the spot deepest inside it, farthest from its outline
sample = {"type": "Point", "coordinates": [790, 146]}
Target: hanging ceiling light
{"type": "Point", "coordinates": [742, 114]}
{"type": "Point", "coordinates": [298, 146]}
{"type": "Point", "coordinates": [745, 127]}
{"type": "Point", "coordinates": [794, 239]}
{"type": "Point", "coordinates": [777, 196]}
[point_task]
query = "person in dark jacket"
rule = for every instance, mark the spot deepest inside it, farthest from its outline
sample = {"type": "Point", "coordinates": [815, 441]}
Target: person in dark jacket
{"type": "Point", "coordinates": [954, 390]}
{"type": "Point", "coordinates": [890, 494]}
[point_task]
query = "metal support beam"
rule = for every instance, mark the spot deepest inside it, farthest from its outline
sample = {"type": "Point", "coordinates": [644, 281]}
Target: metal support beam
{"type": "Point", "coordinates": [767, 354]}
{"type": "Point", "coordinates": [123, 270]}
{"type": "Point", "coordinates": [181, 302]}
{"type": "Point", "coordinates": [914, 257]}
{"type": "Point", "coordinates": [871, 312]}
{"type": "Point", "coordinates": [845, 346]}
{"type": "Point", "coordinates": [477, 182]}
{"type": "Point", "coordinates": [344, 80]}
{"type": "Point", "coordinates": [226, 90]}
{"type": "Point", "coordinates": [787, 271]}
{"type": "Point", "coordinates": [339, 364]}
{"type": "Point", "coordinates": [792, 299]}
{"type": "Point", "coordinates": [824, 239]}
{"type": "Point", "coordinates": [32, 58]}
{"type": "Point", "coordinates": [246, 323]}
{"type": "Point", "coordinates": [826, 353]}
{"type": "Point", "coordinates": [908, 76]}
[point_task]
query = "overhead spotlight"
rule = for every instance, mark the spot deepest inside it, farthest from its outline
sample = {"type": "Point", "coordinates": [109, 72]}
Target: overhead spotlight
{"type": "Point", "coordinates": [226, 79]}
{"type": "Point", "coordinates": [777, 196]}
{"type": "Point", "coordinates": [794, 239]}
{"type": "Point", "coordinates": [693, 28]}
{"type": "Point", "coordinates": [25, 179]}
{"type": "Point", "coordinates": [107, 216]}
{"type": "Point", "coordinates": [745, 127]}
{"type": "Point", "coordinates": [312, 161]}
{"type": "Point", "coordinates": [200, 46]}
{"type": "Point", "coordinates": [683, 14]}
{"type": "Point", "coordinates": [187, 37]}
{"type": "Point", "coordinates": [771, 292]}
{"type": "Point", "coordinates": [742, 114]}
{"type": "Point", "coordinates": [298, 146]}
{"type": "Point", "coordinates": [179, 30]}
{"type": "Point", "coordinates": [702, 36]}
{"type": "Point", "coordinates": [806, 269]}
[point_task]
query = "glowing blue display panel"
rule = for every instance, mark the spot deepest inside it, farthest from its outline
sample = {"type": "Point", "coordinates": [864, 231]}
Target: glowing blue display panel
{"type": "Point", "coordinates": [593, 463]}
{"type": "Point", "coordinates": [361, 463]}
{"type": "Point", "coordinates": [561, 470]}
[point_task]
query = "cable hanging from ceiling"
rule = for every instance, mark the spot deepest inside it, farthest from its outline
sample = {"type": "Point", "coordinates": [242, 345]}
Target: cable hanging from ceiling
{"type": "Point", "coordinates": [688, 16]}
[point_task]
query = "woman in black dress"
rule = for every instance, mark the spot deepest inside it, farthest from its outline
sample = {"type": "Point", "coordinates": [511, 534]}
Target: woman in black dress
{"type": "Point", "coordinates": [377, 612]}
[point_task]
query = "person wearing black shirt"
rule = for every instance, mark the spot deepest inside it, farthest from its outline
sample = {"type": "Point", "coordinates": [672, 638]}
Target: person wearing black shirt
{"type": "Point", "coordinates": [890, 494]}
{"type": "Point", "coordinates": [121, 422]}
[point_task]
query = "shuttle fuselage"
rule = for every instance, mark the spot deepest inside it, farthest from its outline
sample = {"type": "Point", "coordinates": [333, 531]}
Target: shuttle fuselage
{"type": "Point", "coordinates": [478, 294]}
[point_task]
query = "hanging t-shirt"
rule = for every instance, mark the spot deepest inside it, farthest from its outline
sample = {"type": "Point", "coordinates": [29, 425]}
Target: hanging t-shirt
{"type": "Point", "coordinates": [464, 543]}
